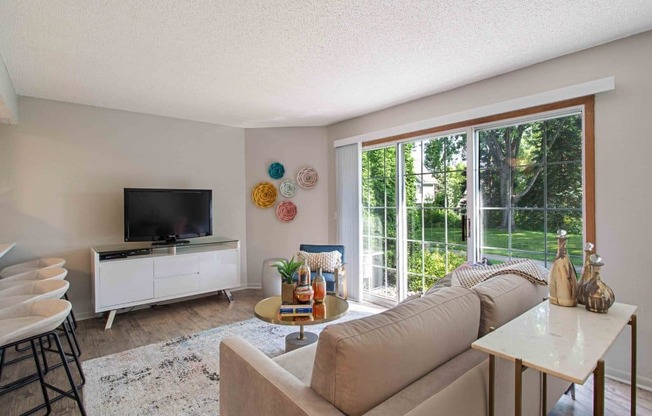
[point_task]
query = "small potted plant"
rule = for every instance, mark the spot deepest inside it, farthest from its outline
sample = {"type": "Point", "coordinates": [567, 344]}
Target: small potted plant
{"type": "Point", "coordinates": [287, 268]}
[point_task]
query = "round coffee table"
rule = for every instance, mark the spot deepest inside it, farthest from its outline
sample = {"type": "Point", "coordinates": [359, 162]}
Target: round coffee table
{"type": "Point", "coordinates": [267, 310]}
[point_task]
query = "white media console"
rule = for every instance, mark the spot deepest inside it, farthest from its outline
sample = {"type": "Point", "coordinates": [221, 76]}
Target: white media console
{"type": "Point", "coordinates": [135, 274]}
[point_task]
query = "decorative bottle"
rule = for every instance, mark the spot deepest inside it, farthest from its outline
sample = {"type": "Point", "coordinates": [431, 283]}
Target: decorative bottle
{"type": "Point", "coordinates": [303, 293]}
{"type": "Point", "coordinates": [597, 296]}
{"type": "Point", "coordinates": [319, 287]}
{"type": "Point", "coordinates": [563, 278]}
{"type": "Point", "coordinates": [586, 271]}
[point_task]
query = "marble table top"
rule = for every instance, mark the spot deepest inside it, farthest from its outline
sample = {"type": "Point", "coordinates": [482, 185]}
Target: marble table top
{"type": "Point", "coordinates": [5, 248]}
{"type": "Point", "coordinates": [561, 341]}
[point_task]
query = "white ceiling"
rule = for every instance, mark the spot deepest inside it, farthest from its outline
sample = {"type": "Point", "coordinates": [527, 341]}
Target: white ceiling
{"type": "Point", "coordinates": [287, 62]}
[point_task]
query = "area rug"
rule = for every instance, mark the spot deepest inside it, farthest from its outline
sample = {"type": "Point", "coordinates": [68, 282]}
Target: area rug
{"type": "Point", "coordinates": [176, 377]}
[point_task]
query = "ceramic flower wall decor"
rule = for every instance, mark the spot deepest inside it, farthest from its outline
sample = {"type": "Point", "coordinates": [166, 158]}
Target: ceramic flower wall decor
{"type": "Point", "coordinates": [307, 178]}
{"type": "Point", "coordinates": [288, 188]}
{"type": "Point", "coordinates": [276, 170]}
{"type": "Point", "coordinates": [286, 211]}
{"type": "Point", "coordinates": [264, 194]}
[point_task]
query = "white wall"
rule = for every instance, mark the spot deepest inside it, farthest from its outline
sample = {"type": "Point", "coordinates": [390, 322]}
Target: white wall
{"type": "Point", "coordinates": [623, 154]}
{"type": "Point", "coordinates": [63, 168]}
{"type": "Point", "coordinates": [295, 148]}
{"type": "Point", "coordinates": [8, 100]}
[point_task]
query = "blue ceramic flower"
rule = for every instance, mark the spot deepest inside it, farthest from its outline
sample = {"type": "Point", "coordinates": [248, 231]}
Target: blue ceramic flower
{"type": "Point", "coordinates": [276, 170]}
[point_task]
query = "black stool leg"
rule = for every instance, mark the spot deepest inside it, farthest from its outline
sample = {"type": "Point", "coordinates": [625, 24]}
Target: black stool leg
{"type": "Point", "coordinates": [75, 392]}
{"type": "Point", "coordinates": [2, 361]}
{"type": "Point", "coordinates": [67, 327]}
{"type": "Point", "coordinates": [44, 390]}
{"type": "Point", "coordinates": [74, 336]}
{"type": "Point", "coordinates": [72, 314]}
{"type": "Point", "coordinates": [45, 360]}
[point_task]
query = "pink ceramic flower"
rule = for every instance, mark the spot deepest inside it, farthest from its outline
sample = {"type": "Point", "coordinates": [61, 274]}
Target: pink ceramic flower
{"type": "Point", "coordinates": [286, 211]}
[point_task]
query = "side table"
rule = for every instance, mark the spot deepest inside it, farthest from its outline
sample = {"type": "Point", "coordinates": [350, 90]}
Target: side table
{"type": "Point", "coordinates": [566, 342]}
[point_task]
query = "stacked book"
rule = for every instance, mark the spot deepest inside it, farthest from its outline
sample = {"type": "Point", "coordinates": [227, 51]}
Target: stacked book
{"type": "Point", "coordinates": [295, 310]}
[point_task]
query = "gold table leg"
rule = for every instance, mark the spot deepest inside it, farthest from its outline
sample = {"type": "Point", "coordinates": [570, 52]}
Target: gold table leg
{"type": "Point", "coordinates": [632, 322]}
{"type": "Point", "coordinates": [492, 383]}
{"type": "Point", "coordinates": [544, 394]}
{"type": "Point", "coordinates": [598, 389]}
{"type": "Point", "coordinates": [518, 386]}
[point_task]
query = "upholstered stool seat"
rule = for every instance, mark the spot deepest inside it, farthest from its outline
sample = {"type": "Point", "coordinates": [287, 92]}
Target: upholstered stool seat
{"type": "Point", "coordinates": [28, 266]}
{"type": "Point", "coordinates": [54, 273]}
{"type": "Point", "coordinates": [31, 291]}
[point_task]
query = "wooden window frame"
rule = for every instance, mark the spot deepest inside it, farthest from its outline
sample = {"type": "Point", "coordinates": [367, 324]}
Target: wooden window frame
{"type": "Point", "coordinates": [588, 102]}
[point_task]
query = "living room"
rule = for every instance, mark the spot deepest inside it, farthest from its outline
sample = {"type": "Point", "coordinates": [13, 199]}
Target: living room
{"type": "Point", "coordinates": [86, 114]}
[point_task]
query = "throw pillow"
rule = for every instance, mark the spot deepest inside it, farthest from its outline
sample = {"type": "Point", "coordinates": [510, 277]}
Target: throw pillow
{"type": "Point", "coordinates": [327, 261]}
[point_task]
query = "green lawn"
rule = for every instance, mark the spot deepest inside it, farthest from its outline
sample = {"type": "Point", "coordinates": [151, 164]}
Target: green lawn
{"type": "Point", "coordinates": [522, 240]}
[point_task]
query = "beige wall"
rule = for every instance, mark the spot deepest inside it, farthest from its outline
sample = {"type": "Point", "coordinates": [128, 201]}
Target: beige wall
{"type": "Point", "coordinates": [623, 153]}
{"type": "Point", "coordinates": [63, 168]}
{"type": "Point", "coordinates": [295, 148]}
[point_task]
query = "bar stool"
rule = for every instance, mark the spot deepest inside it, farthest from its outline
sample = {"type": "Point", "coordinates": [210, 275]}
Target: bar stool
{"type": "Point", "coordinates": [28, 266]}
{"type": "Point", "coordinates": [29, 322]}
{"type": "Point", "coordinates": [31, 291]}
{"type": "Point", "coordinates": [53, 273]}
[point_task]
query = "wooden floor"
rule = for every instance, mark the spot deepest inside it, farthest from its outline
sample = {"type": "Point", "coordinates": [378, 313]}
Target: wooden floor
{"type": "Point", "coordinates": [151, 325]}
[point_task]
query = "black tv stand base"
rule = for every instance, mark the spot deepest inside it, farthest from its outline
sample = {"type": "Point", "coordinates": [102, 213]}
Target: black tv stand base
{"type": "Point", "coordinates": [170, 242]}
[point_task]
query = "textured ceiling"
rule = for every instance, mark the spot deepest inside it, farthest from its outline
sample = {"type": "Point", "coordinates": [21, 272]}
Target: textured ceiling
{"type": "Point", "coordinates": [287, 62]}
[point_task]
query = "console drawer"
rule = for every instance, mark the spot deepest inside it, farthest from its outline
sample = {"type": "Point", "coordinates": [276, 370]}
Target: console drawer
{"type": "Point", "coordinates": [176, 266]}
{"type": "Point", "coordinates": [177, 285]}
{"type": "Point", "coordinates": [125, 282]}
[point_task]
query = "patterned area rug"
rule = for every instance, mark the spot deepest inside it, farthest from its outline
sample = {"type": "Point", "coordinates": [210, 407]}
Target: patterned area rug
{"type": "Point", "coordinates": [176, 377]}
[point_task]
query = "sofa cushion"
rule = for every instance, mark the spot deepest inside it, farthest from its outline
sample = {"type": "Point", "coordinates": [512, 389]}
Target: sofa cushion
{"type": "Point", "coordinates": [298, 362]}
{"type": "Point", "coordinates": [505, 297]}
{"type": "Point", "coordinates": [363, 362]}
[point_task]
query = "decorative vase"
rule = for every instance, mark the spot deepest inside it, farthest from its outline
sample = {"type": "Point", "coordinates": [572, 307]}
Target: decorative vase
{"type": "Point", "coordinates": [597, 296]}
{"type": "Point", "coordinates": [586, 271]}
{"type": "Point", "coordinates": [563, 278]}
{"type": "Point", "coordinates": [287, 293]}
{"type": "Point", "coordinates": [319, 310]}
{"type": "Point", "coordinates": [319, 287]}
{"type": "Point", "coordinates": [303, 293]}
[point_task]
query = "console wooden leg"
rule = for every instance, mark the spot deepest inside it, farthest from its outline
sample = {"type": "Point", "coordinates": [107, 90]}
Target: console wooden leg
{"type": "Point", "coordinates": [109, 320]}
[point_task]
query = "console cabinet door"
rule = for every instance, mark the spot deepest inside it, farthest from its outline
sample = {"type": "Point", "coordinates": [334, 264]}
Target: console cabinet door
{"type": "Point", "coordinates": [126, 281]}
{"type": "Point", "coordinates": [219, 270]}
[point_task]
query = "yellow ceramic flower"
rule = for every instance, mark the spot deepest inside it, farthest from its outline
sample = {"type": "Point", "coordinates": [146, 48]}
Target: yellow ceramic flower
{"type": "Point", "coordinates": [264, 194]}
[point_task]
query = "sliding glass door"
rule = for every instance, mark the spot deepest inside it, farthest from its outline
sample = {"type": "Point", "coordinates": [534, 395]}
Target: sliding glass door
{"type": "Point", "coordinates": [494, 192]}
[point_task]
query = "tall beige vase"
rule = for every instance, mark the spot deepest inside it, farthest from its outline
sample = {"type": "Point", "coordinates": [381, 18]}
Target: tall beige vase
{"type": "Point", "coordinates": [563, 278]}
{"type": "Point", "coordinates": [586, 271]}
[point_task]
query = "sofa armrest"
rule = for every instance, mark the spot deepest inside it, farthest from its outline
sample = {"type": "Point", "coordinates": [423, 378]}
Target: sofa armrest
{"type": "Point", "coordinates": [251, 383]}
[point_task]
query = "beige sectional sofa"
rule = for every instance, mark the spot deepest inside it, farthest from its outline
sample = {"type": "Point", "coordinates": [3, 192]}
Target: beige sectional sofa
{"type": "Point", "coordinates": [414, 359]}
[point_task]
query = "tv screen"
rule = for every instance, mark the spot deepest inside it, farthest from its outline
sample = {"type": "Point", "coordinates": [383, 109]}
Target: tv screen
{"type": "Point", "coordinates": [167, 214]}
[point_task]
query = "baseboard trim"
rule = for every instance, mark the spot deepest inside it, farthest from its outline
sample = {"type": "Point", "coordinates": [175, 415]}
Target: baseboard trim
{"type": "Point", "coordinates": [624, 377]}
{"type": "Point", "coordinates": [82, 316]}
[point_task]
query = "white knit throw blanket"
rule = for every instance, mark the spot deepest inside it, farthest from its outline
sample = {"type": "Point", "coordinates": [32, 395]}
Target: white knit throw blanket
{"type": "Point", "coordinates": [527, 269]}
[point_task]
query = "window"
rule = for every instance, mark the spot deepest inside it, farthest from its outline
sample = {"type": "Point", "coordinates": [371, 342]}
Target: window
{"type": "Point", "coordinates": [497, 188]}
{"type": "Point", "coordinates": [530, 185]}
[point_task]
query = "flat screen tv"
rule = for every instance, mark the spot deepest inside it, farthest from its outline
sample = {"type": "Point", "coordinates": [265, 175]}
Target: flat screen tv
{"type": "Point", "coordinates": [167, 215]}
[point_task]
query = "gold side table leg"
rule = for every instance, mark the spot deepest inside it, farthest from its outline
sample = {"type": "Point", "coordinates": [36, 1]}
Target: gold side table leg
{"type": "Point", "coordinates": [544, 394]}
{"type": "Point", "coordinates": [492, 383]}
{"type": "Point", "coordinates": [598, 389]}
{"type": "Point", "coordinates": [632, 322]}
{"type": "Point", "coordinates": [518, 386]}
